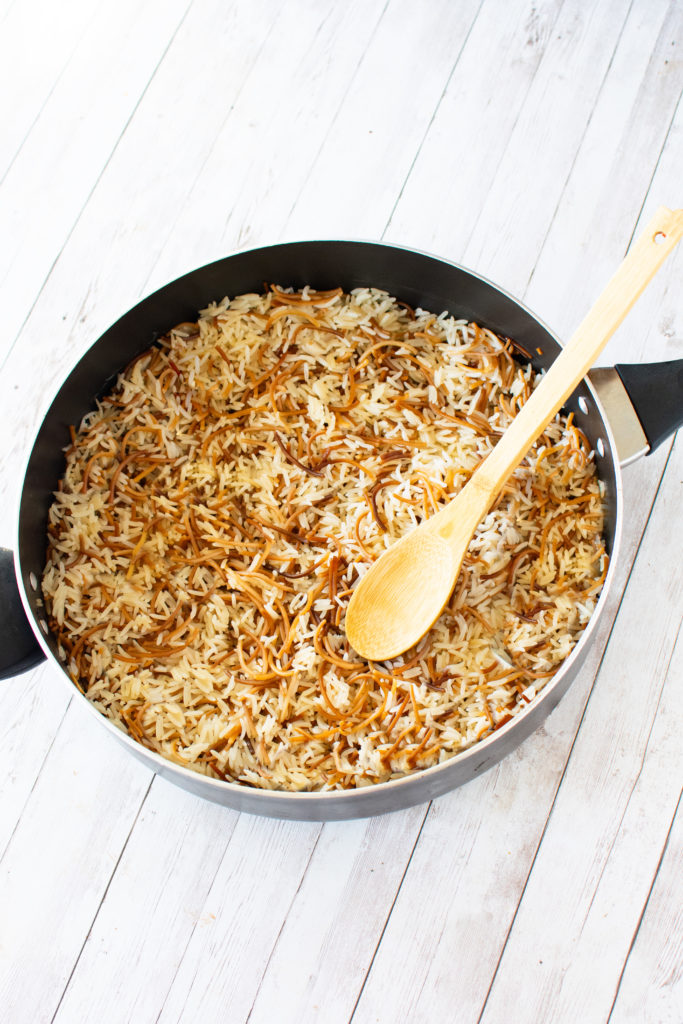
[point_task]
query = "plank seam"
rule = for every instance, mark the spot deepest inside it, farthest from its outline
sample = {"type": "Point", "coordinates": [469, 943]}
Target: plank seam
{"type": "Point", "coordinates": [284, 922]}
{"type": "Point", "coordinates": [513, 127]}
{"type": "Point", "coordinates": [51, 90]}
{"type": "Point", "coordinates": [431, 119]}
{"type": "Point", "coordinates": [577, 151]}
{"type": "Point", "coordinates": [637, 776]}
{"type": "Point", "coordinates": [35, 781]}
{"type": "Point", "coordinates": [333, 120]}
{"type": "Point", "coordinates": [192, 931]}
{"type": "Point", "coordinates": [103, 897]}
{"type": "Point", "coordinates": [208, 155]}
{"type": "Point", "coordinates": [94, 186]}
{"type": "Point", "coordinates": [391, 910]}
{"type": "Point", "coordinates": [645, 906]}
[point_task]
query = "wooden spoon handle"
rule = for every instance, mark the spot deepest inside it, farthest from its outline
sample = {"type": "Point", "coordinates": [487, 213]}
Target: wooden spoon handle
{"type": "Point", "coordinates": [638, 268]}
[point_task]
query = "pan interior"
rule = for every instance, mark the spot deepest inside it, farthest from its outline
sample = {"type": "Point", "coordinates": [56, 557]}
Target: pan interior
{"type": "Point", "coordinates": [416, 278]}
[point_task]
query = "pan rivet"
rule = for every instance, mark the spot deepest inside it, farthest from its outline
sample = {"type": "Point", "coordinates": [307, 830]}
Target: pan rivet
{"type": "Point", "coordinates": [33, 581]}
{"type": "Point", "coordinates": [583, 405]}
{"type": "Point", "coordinates": [600, 446]}
{"type": "Point", "coordinates": [43, 626]}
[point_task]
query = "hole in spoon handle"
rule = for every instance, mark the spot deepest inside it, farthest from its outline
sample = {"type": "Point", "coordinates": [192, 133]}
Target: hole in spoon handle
{"type": "Point", "coordinates": [641, 263]}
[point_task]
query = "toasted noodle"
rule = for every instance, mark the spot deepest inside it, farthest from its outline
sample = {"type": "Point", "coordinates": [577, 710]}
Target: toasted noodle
{"type": "Point", "coordinates": [219, 506]}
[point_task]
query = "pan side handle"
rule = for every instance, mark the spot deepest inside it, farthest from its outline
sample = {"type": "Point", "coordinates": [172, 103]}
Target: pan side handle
{"type": "Point", "coordinates": [643, 402]}
{"type": "Point", "coordinates": [19, 649]}
{"type": "Point", "coordinates": [656, 393]}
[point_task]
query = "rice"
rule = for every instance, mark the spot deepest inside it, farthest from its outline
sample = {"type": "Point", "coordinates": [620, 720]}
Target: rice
{"type": "Point", "coordinates": [220, 504]}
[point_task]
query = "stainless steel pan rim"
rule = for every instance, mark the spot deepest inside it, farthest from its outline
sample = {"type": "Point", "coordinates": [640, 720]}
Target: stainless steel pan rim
{"type": "Point", "coordinates": [409, 789]}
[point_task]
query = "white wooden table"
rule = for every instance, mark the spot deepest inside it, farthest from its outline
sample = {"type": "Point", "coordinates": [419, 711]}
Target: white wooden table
{"type": "Point", "coordinates": [527, 139]}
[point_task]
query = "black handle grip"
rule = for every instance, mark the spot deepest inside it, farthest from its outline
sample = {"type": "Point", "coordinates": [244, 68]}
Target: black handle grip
{"type": "Point", "coordinates": [19, 649]}
{"type": "Point", "coordinates": [656, 392]}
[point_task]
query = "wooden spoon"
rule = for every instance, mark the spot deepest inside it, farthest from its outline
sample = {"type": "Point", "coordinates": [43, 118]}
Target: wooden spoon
{"type": "Point", "coordinates": [405, 590]}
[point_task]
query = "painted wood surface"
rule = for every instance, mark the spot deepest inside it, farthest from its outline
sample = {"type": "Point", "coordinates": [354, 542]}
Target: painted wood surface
{"type": "Point", "coordinates": [529, 140]}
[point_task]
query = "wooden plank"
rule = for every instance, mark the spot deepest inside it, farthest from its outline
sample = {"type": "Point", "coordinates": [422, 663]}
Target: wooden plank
{"type": "Point", "coordinates": [151, 167]}
{"type": "Point", "coordinates": [335, 922]}
{"type": "Point", "coordinates": [151, 908]}
{"type": "Point", "coordinates": [651, 987]}
{"type": "Point", "coordinates": [535, 165]}
{"type": "Point", "coordinates": [604, 195]}
{"type": "Point", "coordinates": [52, 175]}
{"type": "Point", "coordinates": [249, 900]}
{"type": "Point", "coordinates": [620, 793]}
{"type": "Point", "coordinates": [36, 43]}
{"type": "Point", "coordinates": [354, 121]}
{"type": "Point", "coordinates": [356, 178]}
{"type": "Point", "coordinates": [59, 860]}
{"type": "Point", "coordinates": [5, 8]}
{"type": "Point", "coordinates": [33, 706]}
{"type": "Point", "coordinates": [442, 197]}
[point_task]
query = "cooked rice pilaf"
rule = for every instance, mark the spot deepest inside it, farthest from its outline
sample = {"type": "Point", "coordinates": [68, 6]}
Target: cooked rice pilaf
{"type": "Point", "coordinates": [220, 504]}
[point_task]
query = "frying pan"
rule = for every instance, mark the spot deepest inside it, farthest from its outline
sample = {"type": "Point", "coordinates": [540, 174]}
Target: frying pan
{"type": "Point", "coordinates": [642, 404]}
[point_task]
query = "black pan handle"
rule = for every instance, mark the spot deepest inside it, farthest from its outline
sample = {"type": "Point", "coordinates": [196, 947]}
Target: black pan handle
{"type": "Point", "coordinates": [19, 649]}
{"type": "Point", "coordinates": [656, 393]}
